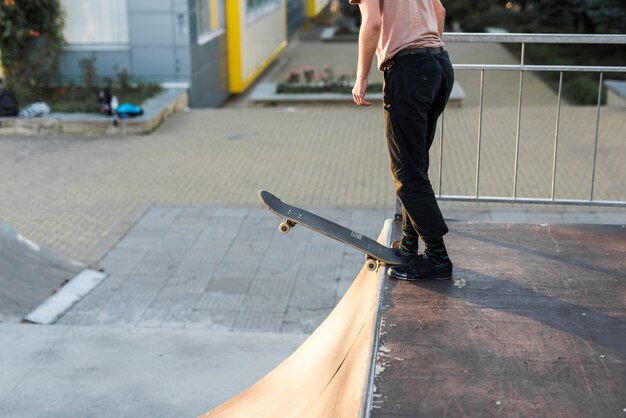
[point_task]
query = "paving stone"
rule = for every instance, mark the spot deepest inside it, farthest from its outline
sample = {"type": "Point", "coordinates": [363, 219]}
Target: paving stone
{"type": "Point", "coordinates": [235, 285]}
{"type": "Point", "coordinates": [153, 233]}
{"type": "Point", "coordinates": [232, 212]}
{"type": "Point", "coordinates": [278, 271]}
{"type": "Point", "coordinates": [266, 303]}
{"type": "Point", "coordinates": [247, 248]}
{"type": "Point", "coordinates": [205, 270]}
{"type": "Point", "coordinates": [272, 286]}
{"type": "Point", "coordinates": [219, 319]}
{"type": "Point", "coordinates": [137, 243]}
{"type": "Point", "coordinates": [236, 269]}
{"type": "Point", "coordinates": [221, 301]}
{"type": "Point", "coordinates": [176, 242]}
{"type": "Point", "coordinates": [155, 267]}
{"type": "Point", "coordinates": [205, 255]}
{"type": "Point", "coordinates": [320, 273]}
{"type": "Point", "coordinates": [259, 321]}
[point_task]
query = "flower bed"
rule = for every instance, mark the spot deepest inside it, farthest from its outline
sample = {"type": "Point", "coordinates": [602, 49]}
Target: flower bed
{"type": "Point", "coordinates": [309, 80]}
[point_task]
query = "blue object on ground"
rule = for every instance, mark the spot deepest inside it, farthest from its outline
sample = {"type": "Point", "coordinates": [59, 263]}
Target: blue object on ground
{"type": "Point", "coordinates": [128, 110]}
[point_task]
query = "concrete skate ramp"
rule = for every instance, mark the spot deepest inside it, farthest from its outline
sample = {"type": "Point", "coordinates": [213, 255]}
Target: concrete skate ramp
{"type": "Point", "coordinates": [29, 274]}
{"type": "Point", "coordinates": [328, 375]}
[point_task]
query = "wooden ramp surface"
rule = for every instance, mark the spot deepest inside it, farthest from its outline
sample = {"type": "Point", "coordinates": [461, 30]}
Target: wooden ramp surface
{"type": "Point", "coordinates": [327, 376]}
{"type": "Point", "coordinates": [533, 325]}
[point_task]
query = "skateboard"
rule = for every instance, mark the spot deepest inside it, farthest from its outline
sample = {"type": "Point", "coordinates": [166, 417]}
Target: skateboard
{"type": "Point", "coordinates": [375, 252]}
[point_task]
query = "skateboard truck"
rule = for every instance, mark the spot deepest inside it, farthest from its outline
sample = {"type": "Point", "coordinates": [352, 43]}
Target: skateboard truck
{"type": "Point", "coordinates": [286, 226]}
{"type": "Point", "coordinates": [372, 263]}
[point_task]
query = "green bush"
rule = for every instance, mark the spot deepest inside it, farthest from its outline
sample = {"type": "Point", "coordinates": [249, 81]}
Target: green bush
{"type": "Point", "coordinates": [31, 39]}
{"type": "Point", "coordinates": [582, 89]}
{"type": "Point", "coordinates": [88, 72]}
{"type": "Point", "coordinates": [72, 98]}
{"type": "Point", "coordinates": [553, 17]}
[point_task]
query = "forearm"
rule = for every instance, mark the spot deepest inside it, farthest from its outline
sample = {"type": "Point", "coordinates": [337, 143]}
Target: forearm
{"type": "Point", "coordinates": [440, 11]}
{"type": "Point", "coordinates": [368, 40]}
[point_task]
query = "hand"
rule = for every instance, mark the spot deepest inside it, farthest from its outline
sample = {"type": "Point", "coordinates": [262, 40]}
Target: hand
{"type": "Point", "coordinates": [358, 92]}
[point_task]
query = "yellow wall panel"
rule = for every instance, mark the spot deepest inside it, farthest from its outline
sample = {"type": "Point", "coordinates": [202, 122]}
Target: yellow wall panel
{"type": "Point", "coordinates": [253, 43]}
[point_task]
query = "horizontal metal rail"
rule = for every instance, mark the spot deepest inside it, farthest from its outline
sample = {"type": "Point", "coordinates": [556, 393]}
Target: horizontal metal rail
{"type": "Point", "coordinates": [517, 67]}
{"type": "Point", "coordinates": [532, 200]}
{"type": "Point", "coordinates": [524, 39]}
{"type": "Point", "coordinates": [534, 38]}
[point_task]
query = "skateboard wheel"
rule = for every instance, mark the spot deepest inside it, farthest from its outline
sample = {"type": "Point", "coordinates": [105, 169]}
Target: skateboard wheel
{"type": "Point", "coordinates": [284, 228]}
{"type": "Point", "coordinates": [372, 265]}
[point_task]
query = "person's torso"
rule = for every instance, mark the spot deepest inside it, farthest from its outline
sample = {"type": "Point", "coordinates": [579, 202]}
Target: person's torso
{"type": "Point", "coordinates": [407, 24]}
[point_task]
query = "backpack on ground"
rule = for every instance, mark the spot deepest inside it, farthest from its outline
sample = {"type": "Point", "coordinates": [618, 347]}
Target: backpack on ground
{"type": "Point", "coordinates": [8, 104]}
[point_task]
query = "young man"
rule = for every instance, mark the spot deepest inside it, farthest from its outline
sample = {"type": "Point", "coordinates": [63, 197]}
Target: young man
{"type": "Point", "coordinates": [418, 77]}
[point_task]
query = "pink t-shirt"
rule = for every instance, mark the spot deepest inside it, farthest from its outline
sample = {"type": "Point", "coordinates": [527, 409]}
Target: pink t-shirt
{"type": "Point", "coordinates": [406, 24]}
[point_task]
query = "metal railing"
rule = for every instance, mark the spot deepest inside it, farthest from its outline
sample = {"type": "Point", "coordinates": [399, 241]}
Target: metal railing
{"type": "Point", "coordinates": [522, 68]}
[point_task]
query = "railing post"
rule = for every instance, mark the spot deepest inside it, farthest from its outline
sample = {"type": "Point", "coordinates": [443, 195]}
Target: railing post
{"type": "Point", "coordinates": [522, 68]}
{"type": "Point", "coordinates": [556, 134]}
{"type": "Point", "coordinates": [595, 146]}
{"type": "Point", "coordinates": [480, 127]}
{"type": "Point", "coordinates": [519, 123]}
{"type": "Point", "coordinates": [441, 154]}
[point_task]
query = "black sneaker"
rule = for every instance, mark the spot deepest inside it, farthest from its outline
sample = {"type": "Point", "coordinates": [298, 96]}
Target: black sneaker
{"type": "Point", "coordinates": [401, 253]}
{"type": "Point", "coordinates": [421, 268]}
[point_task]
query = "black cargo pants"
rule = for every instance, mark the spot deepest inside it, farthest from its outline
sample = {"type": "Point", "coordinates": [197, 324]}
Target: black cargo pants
{"type": "Point", "coordinates": [416, 90]}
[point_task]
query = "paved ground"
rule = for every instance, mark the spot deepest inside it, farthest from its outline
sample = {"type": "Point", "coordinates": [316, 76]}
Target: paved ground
{"type": "Point", "coordinates": [77, 372]}
{"type": "Point", "coordinates": [217, 268]}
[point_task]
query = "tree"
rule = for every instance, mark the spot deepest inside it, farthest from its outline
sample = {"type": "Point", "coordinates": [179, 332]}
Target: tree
{"type": "Point", "coordinates": [582, 16]}
{"type": "Point", "coordinates": [31, 39]}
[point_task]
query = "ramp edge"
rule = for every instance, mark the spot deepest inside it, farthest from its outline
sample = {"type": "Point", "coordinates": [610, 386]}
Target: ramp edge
{"type": "Point", "coordinates": [368, 387]}
{"type": "Point", "coordinates": [49, 311]}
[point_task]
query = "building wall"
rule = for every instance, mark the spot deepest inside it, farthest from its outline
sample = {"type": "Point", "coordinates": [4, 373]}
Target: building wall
{"type": "Point", "coordinates": [261, 38]}
{"type": "Point", "coordinates": [159, 37]}
{"type": "Point", "coordinates": [158, 47]}
{"type": "Point", "coordinates": [209, 63]}
{"type": "Point", "coordinates": [163, 46]}
{"type": "Point", "coordinates": [253, 44]}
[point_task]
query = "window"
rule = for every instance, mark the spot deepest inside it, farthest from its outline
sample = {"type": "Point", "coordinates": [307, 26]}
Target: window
{"type": "Point", "coordinates": [259, 8]}
{"type": "Point", "coordinates": [89, 22]}
{"type": "Point", "coordinates": [209, 19]}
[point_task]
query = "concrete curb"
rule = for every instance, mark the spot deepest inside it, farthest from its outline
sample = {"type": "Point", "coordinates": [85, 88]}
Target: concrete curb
{"type": "Point", "coordinates": [156, 110]}
{"type": "Point", "coordinates": [265, 93]}
{"type": "Point", "coordinates": [56, 305]}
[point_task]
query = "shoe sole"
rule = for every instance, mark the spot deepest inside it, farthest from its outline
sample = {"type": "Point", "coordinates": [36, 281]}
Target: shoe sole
{"type": "Point", "coordinates": [438, 277]}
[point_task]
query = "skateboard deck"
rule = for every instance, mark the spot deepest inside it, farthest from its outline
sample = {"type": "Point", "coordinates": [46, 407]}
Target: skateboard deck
{"type": "Point", "coordinates": [375, 252]}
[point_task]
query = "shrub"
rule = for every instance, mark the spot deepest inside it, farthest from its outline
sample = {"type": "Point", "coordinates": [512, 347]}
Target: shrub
{"type": "Point", "coordinates": [88, 72]}
{"type": "Point", "coordinates": [31, 39]}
